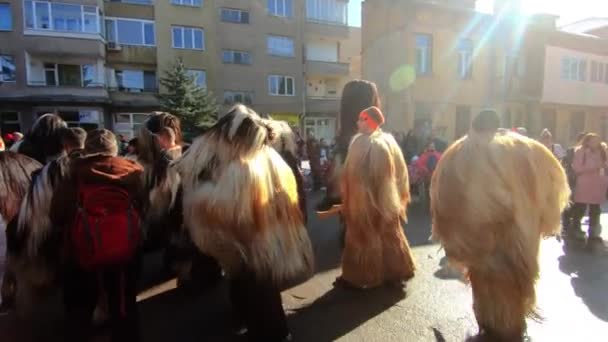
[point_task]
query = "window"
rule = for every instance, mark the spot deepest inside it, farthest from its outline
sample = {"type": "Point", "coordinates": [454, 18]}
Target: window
{"type": "Point", "coordinates": [598, 73]}
{"type": "Point", "coordinates": [138, 2]}
{"type": "Point", "coordinates": [594, 68]}
{"type": "Point", "coordinates": [280, 46]}
{"type": "Point", "coordinates": [424, 54]}
{"type": "Point", "coordinates": [281, 85]}
{"type": "Point", "coordinates": [6, 17]}
{"type": "Point", "coordinates": [331, 87]}
{"type": "Point", "coordinates": [129, 124]}
{"type": "Point", "coordinates": [9, 122]}
{"type": "Point", "coordinates": [8, 71]}
{"type": "Point", "coordinates": [280, 8]}
{"type": "Point", "coordinates": [130, 31]}
{"type": "Point", "coordinates": [71, 75]}
{"type": "Point", "coordinates": [328, 11]}
{"type": "Point", "coordinates": [465, 59]}
{"type": "Point", "coordinates": [188, 38]}
{"type": "Point", "coordinates": [191, 3]}
{"type": "Point", "coordinates": [42, 15]}
{"type": "Point", "coordinates": [236, 57]}
{"type": "Point", "coordinates": [232, 97]}
{"type": "Point", "coordinates": [238, 16]}
{"type": "Point", "coordinates": [574, 69]}
{"type": "Point", "coordinates": [199, 77]}
{"type": "Point", "coordinates": [136, 81]}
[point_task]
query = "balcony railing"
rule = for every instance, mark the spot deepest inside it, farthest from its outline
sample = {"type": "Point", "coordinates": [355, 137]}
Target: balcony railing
{"type": "Point", "coordinates": [326, 68]}
{"type": "Point", "coordinates": [44, 84]}
{"type": "Point", "coordinates": [325, 21]}
{"type": "Point", "coordinates": [134, 90]}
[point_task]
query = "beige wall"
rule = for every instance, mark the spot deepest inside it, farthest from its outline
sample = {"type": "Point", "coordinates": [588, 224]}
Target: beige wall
{"type": "Point", "coordinates": [558, 90]}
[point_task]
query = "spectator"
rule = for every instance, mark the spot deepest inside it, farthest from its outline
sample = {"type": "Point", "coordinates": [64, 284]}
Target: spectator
{"type": "Point", "coordinates": [428, 160]}
{"type": "Point", "coordinates": [43, 141]}
{"type": "Point", "coordinates": [546, 138]}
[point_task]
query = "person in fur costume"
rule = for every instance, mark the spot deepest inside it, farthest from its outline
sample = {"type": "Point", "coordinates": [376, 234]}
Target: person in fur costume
{"type": "Point", "coordinates": [375, 195]}
{"type": "Point", "coordinates": [241, 207]}
{"type": "Point", "coordinates": [494, 195]}
{"type": "Point", "coordinates": [15, 178]}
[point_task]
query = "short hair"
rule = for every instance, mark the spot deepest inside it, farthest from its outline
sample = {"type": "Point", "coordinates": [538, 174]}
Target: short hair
{"type": "Point", "coordinates": [74, 137]}
{"type": "Point", "coordinates": [486, 121]}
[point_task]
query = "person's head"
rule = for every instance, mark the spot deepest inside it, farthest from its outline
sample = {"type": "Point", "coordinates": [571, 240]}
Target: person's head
{"type": "Point", "coordinates": [580, 137]}
{"type": "Point", "coordinates": [591, 141]}
{"type": "Point", "coordinates": [43, 141]}
{"type": "Point", "coordinates": [430, 147]}
{"type": "Point", "coordinates": [546, 137]}
{"type": "Point", "coordinates": [100, 142]}
{"type": "Point", "coordinates": [73, 139]}
{"type": "Point", "coordinates": [166, 138]}
{"type": "Point", "coordinates": [357, 95]}
{"type": "Point", "coordinates": [160, 120]}
{"type": "Point", "coordinates": [487, 121]}
{"type": "Point", "coordinates": [370, 119]}
{"type": "Point", "coordinates": [149, 149]}
{"type": "Point", "coordinates": [522, 131]}
{"type": "Point", "coordinates": [132, 146]}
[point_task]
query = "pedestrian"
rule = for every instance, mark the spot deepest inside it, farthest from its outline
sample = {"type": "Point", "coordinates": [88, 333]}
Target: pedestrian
{"type": "Point", "coordinates": [102, 191]}
{"type": "Point", "coordinates": [567, 215]}
{"type": "Point", "coordinates": [313, 149]}
{"type": "Point", "coordinates": [493, 197]}
{"type": "Point", "coordinates": [357, 95]}
{"type": "Point", "coordinates": [43, 141]}
{"type": "Point", "coordinates": [241, 207]}
{"type": "Point", "coordinates": [375, 194]}
{"type": "Point", "coordinates": [589, 164]}
{"type": "Point", "coordinates": [546, 138]}
{"type": "Point", "coordinates": [131, 152]}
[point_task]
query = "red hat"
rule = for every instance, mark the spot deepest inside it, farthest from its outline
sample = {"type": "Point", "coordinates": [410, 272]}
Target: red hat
{"type": "Point", "coordinates": [373, 117]}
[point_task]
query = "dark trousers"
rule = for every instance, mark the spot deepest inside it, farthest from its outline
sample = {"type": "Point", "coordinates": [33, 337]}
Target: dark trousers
{"type": "Point", "coordinates": [82, 290]}
{"type": "Point", "coordinates": [257, 304]}
{"type": "Point", "coordinates": [578, 211]}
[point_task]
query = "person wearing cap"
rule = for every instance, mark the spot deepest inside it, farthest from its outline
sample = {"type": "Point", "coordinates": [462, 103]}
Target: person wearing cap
{"type": "Point", "coordinates": [98, 164]}
{"type": "Point", "coordinates": [493, 197]}
{"type": "Point", "coordinates": [375, 194]}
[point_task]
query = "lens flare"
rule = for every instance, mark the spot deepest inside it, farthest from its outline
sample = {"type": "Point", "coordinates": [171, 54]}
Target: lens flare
{"type": "Point", "coordinates": [402, 78]}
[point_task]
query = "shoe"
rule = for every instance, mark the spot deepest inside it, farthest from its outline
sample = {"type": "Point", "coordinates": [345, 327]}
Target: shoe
{"type": "Point", "coordinates": [341, 283]}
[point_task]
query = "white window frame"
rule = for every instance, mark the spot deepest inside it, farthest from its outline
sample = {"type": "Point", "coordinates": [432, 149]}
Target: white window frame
{"type": "Point", "coordinates": [465, 61]}
{"type": "Point", "coordinates": [114, 22]}
{"type": "Point", "coordinates": [51, 21]}
{"type": "Point", "coordinates": [2, 79]}
{"type": "Point", "coordinates": [333, 12]}
{"type": "Point", "coordinates": [280, 39]}
{"type": "Point", "coordinates": [233, 93]}
{"type": "Point", "coordinates": [189, 3]}
{"type": "Point", "coordinates": [143, 89]}
{"type": "Point", "coordinates": [573, 69]}
{"type": "Point", "coordinates": [276, 12]}
{"type": "Point", "coordinates": [426, 65]}
{"type": "Point", "coordinates": [183, 30]}
{"type": "Point", "coordinates": [195, 74]}
{"type": "Point", "coordinates": [278, 77]}
{"type": "Point", "coordinates": [236, 10]}
{"type": "Point", "coordinates": [134, 2]}
{"type": "Point", "coordinates": [82, 80]}
{"type": "Point", "coordinates": [10, 15]}
{"type": "Point", "coordinates": [233, 53]}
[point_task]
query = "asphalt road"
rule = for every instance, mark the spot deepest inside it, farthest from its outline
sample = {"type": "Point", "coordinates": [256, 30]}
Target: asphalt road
{"type": "Point", "coordinates": [435, 306]}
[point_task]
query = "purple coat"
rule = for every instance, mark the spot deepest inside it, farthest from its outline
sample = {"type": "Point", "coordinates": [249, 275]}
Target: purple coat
{"type": "Point", "coordinates": [591, 184]}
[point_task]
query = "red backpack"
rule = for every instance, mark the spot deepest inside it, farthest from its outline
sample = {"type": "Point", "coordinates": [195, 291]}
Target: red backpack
{"type": "Point", "coordinates": [106, 231]}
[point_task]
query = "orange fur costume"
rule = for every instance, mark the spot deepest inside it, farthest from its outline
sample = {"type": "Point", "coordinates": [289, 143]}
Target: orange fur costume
{"type": "Point", "coordinates": [493, 196]}
{"type": "Point", "coordinates": [375, 193]}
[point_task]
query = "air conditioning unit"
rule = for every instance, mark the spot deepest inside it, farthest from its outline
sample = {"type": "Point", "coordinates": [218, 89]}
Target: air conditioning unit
{"type": "Point", "coordinates": [113, 46]}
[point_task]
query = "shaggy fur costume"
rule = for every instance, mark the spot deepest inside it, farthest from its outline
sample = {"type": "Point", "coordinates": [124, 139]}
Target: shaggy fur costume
{"type": "Point", "coordinates": [375, 194]}
{"type": "Point", "coordinates": [241, 200]}
{"type": "Point", "coordinates": [493, 197]}
{"type": "Point", "coordinates": [15, 177]}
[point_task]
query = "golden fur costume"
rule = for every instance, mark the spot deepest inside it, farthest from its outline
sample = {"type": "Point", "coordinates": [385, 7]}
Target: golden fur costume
{"type": "Point", "coordinates": [375, 194]}
{"type": "Point", "coordinates": [240, 200]}
{"type": "Point", "coordinates": [493, 196]}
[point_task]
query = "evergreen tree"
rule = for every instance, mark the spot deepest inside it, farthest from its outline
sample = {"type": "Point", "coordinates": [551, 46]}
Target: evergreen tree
{"type": "Point", "coordinates": [195, 106]}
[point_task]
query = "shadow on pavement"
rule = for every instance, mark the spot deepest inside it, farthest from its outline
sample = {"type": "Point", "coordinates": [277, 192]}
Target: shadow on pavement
{"type": "Point", "coordinates": [588, 268]}
{"type": "Point", "coordinates": [339, 311]}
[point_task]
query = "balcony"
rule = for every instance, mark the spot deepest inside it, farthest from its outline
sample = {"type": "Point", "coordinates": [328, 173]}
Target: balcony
{"type": "Point", "coordinates": [131, 54]}
{"type": "Point", "coordinates": [322, 104]}
{"type": "Point", "coordinates": [322, 68]}
{"type": "Point", "coordinates": [145, 99]}
{"type": "Point", "coordinates": [320, 28]}
{"type": "Point", "coordinates": [141, 9]}
{"type": "Point", "coordinates": [40, 92]}
{"type": "Point", "coordinates": [64, 46]}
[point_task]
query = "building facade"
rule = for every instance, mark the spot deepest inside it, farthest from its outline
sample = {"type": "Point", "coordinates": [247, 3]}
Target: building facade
{"type": "Point", "coordinates": [98, 63]}
{"type": "Point", "coordinates": [437, 63]}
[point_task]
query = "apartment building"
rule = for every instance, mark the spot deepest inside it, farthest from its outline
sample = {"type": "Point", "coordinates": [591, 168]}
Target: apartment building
{"type": "Point", "coordinates": [98, 63]}
{"type": "Point", "coordinates": [440, 62]}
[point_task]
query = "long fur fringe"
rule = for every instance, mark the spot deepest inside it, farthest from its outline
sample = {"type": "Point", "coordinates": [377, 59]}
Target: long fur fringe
{"type": "Point", "coordinates": [492, 199]}
{"type": "Point", "coordinates": [241, 202]}
{"type": "Point", "coordinates": [375, 194]}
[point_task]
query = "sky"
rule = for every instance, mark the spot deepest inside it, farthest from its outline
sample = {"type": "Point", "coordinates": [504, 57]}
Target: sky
{"type": "Point", "coordinates": [568, 10]}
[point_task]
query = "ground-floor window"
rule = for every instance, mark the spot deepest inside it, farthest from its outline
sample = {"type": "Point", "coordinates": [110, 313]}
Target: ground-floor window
{"type": "Point", "coordinates": [320, 128]}
{"type": "Point", "coordinates": [128, 124]}
{"type": "Point", "coordinates": [87, 119]}
{"type": "Point", "coordinates": [9, 122]}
